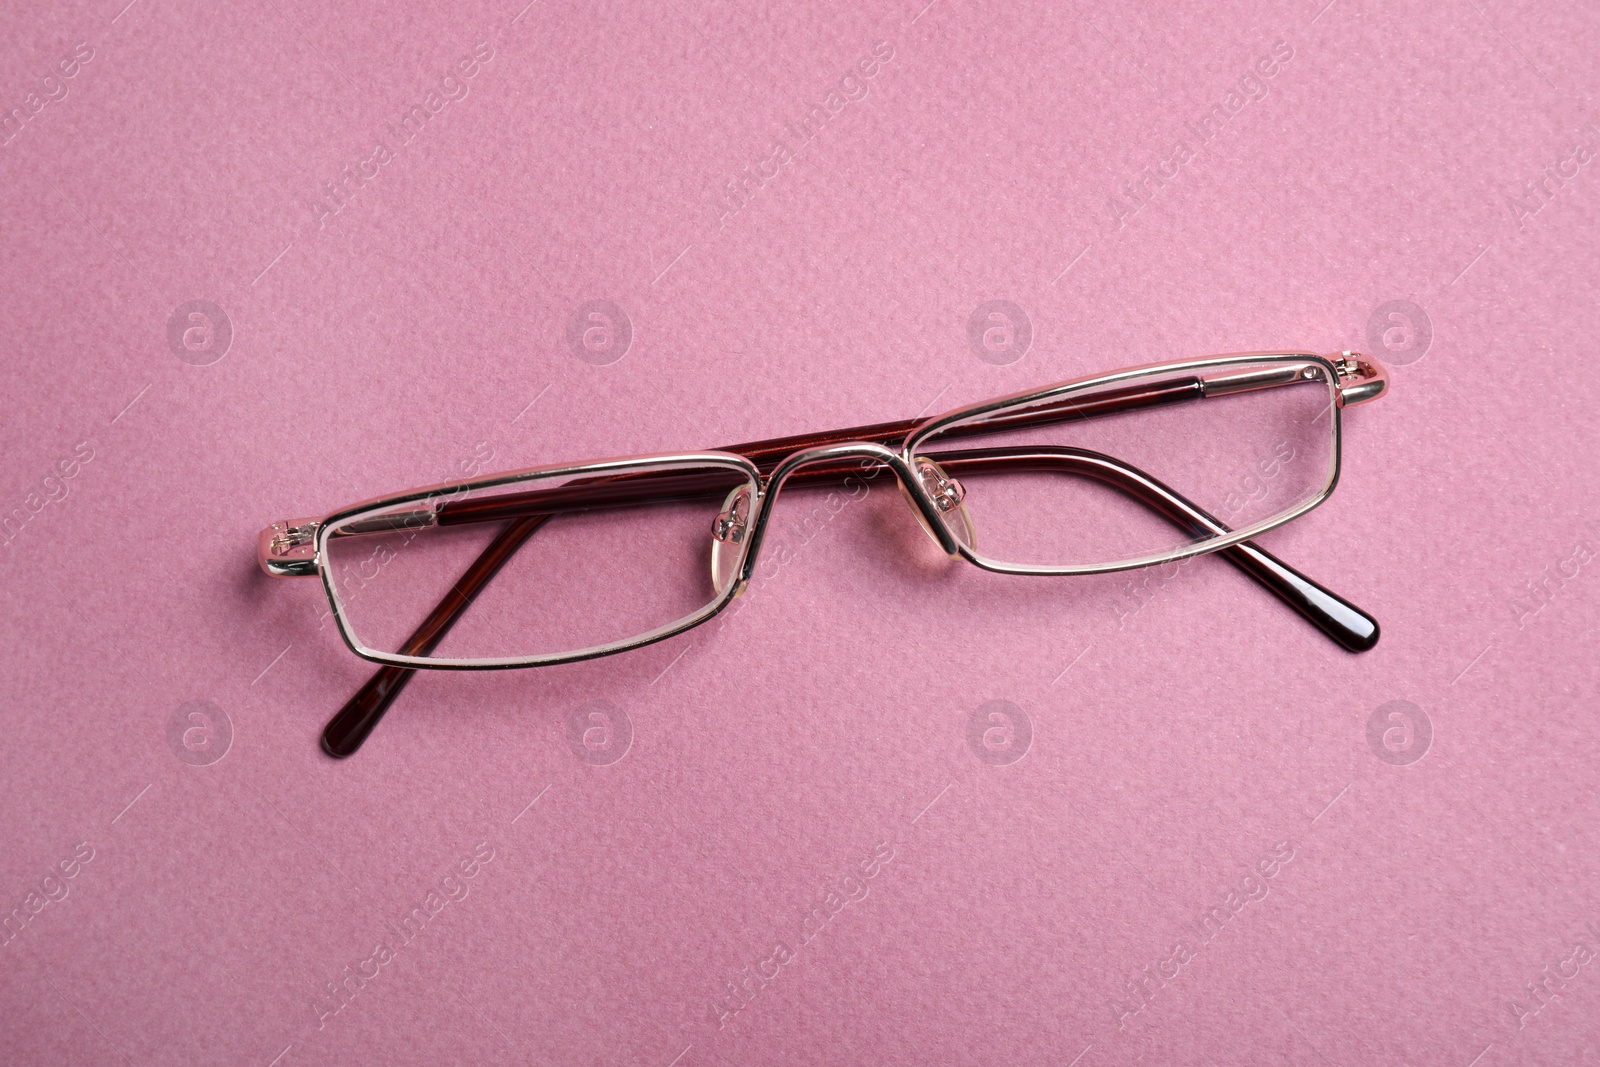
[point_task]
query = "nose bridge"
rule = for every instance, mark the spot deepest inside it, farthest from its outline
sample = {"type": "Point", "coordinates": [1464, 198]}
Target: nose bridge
{"type": "Point", "coordinates": [843, 453]}
{"type": "Point", "coordinates": [839, 453]}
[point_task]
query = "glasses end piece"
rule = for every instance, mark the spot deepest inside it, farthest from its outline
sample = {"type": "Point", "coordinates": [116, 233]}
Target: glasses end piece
{"type": "Point", "coordinates": [1361, 378]}
{"type": "Point", "coordinates": [288, 548]}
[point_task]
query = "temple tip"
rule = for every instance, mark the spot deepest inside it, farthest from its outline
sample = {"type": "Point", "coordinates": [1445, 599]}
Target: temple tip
{"type": "Point", "coordinates": [1350, 627]}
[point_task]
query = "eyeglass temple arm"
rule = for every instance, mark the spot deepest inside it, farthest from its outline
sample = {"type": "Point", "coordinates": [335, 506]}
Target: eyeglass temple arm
{"type": "Point", "coordinates": [769, 453]}
{"type": "Point", "coordinates": [1345, 623]}
{"type": "Point", "coordinates": [361, 713]}
{"type": "Point", "coordinates": [668, 486]}
{"type": "Point", "coordinates": [1335, 616]}
{"type": "Point", "coordinates": [285, 548]}
{"type": "Point", "coordinates": [1360, 380]}
{"type": "Point", "coordinates": [631, 490]}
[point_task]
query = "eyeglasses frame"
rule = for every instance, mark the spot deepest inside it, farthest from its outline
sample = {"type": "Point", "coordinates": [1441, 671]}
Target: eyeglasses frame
{"type": "Point", "coordinates": [285, 548]}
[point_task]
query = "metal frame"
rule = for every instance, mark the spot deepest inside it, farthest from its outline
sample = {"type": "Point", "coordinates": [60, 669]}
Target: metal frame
{"type": "Point", "coordinates": [1064, 390]}
{"type": "Point", "coordinates": [300, 547]}
{"type": "Point", "coordinates": [329, 527]}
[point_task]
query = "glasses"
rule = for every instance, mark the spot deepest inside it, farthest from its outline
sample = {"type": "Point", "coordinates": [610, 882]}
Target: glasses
{"type": "Point", "coordinates": [1117, 471]}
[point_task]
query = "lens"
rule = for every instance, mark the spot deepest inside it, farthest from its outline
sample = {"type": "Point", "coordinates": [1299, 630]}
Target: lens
{"type": "Point", "coordinates": [542, 567]}
{"type": "Point", "coordinates": [1142, 468]}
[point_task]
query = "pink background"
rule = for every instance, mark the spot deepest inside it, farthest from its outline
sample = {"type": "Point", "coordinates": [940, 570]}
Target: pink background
{"type": "Point", "coordinates": [1181, 730]}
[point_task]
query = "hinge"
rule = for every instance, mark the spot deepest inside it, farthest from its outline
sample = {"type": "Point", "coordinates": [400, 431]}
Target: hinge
{"type": "Point", "coordinates": [1361, 378]}
{"type": "Point", "coordinates": [288, 548]}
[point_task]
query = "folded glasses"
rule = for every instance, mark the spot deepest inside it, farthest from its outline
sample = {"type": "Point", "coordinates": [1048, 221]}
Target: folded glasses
{"type": "Point", "coordinates": [1107, 473]}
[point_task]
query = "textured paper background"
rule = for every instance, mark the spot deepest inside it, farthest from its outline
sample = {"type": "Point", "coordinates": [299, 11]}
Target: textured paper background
{"type": "Point", "coordinates": [1442, 877]}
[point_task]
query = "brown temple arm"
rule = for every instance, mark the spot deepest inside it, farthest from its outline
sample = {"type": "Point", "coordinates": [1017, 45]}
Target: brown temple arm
{"type": "Point", "coordinates": [285, 547]}
{"type": "Point", "coordinates": [768, 454]}
{"type": "Point", "coordinates": [664, 487]}
{"type": "Point", "coordinates": [670, 486]}
{"type": "Point", "coordinates": [1340, 620]}
{"type": "Point", "coordinates": [1345, 623]}
{"type": "Point", "coordinates": [1335, 616]}
{"type": "Point", "coordinates": [361, 713]}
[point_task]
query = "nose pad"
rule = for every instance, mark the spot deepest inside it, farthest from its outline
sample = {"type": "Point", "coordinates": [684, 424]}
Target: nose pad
{"type": "Point", "coordinates": [729, 531]}
{"type": "Point", "coordinates": [948, 495]}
